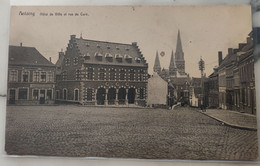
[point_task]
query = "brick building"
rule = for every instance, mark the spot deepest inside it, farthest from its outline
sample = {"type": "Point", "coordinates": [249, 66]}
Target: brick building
{"type": "Point", "coordinates": [101, 73]}
{"type": "Point", "coordinates": [30, 77]}
{"type": "Point", "coordinates": [236, 79]}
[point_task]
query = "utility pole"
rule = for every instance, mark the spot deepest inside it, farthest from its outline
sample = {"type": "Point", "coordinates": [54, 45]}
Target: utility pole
{"type": "Point", "coordinates": [201, 68]}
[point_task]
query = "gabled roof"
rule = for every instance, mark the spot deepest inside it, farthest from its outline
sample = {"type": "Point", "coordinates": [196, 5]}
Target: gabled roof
{"type": "Point", "coordinates": [129, 54]}
{"type": "Point", "coordinates": [20, 55]}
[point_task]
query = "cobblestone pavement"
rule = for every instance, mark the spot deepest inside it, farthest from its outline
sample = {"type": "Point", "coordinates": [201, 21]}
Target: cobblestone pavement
{"type": "Point", "coordinates": [234, 118]}
{"type": "Point", "coordinates": [182, 133]}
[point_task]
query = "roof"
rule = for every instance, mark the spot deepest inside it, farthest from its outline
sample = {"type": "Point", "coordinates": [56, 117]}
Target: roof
{"type": "Point", "coordinates": [196, 82]}
{"type": "Point", "coordinates": [20, 55]}
{"type": "Point", "coordinates": [129, 54]}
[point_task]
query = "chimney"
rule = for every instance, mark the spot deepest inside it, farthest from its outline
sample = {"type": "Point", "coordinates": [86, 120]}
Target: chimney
{"type": "Point", "coordinates": [230, 51]}
{"type": "Point", "coordinates": [72, 36]}
{"type": "Point", "coordinates": [61, 54]}
{"type": "Point", "coordinates": [50, 59]}
{"type": "Point", "coordinates": [220, 58]}
{"type": "Point", "coordinates": [134, 43]}
{"type": "Point", "coordinates": [21, 44]}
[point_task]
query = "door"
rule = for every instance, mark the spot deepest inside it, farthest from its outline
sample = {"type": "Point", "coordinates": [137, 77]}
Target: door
{"type": "Point", "coordinates": [42, 96]}
{"type": "Point", "coordinates": [12, 96]}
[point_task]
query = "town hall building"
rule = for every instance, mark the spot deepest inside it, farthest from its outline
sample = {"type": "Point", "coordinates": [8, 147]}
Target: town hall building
{"type": "Point", "coordinates": [94, 72]}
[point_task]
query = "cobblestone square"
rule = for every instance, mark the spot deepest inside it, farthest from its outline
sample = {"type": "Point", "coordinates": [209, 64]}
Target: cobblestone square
{"type": "Point", "coordinates": [75, 131]}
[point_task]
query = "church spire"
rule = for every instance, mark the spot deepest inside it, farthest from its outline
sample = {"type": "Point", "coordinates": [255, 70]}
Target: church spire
{"type": "Point", "coordinates": [172, 67]}
{"type": "Point", "coordinates": [157, 66]}
{"type": "Point", "coordinates": [172, 64]}
{"type": "Point", "coordinates": [179, 45]}
{"type": "Point", "coordinates": [179, 56]}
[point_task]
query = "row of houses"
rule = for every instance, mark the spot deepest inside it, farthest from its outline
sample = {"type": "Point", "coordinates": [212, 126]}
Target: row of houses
{"type": "Point", "coordinates": [232, 84]}
{"type": "Point", "coordinates": [89, 72]}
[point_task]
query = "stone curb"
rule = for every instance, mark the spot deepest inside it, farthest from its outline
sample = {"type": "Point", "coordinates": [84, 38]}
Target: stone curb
{"type": "Point", "coordinates": [230, 124]}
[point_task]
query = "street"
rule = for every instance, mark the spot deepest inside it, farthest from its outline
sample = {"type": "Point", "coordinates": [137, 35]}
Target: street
{"type": "Point", "coordinates": [182, 133]}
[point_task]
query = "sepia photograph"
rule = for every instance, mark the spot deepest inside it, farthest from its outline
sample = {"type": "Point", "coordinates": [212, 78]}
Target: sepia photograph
{"type": "Point", "coordinates": [136, 82]}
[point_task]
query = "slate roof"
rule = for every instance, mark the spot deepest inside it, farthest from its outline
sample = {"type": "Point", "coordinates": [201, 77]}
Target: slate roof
{"type": "Point", "coordinates": [20, 55]}
{"type": "Point", "coordinates": [108, 50]}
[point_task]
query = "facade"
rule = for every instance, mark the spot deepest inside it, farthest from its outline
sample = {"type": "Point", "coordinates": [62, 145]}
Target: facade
{"type": "Point", "coordinates": [102, 73]}
{"type": "Point", "coordinates": [175, 75]}
{"type": "Point", "coordinates": [236, 80]}
{"type": "Point", "coordinates": [247, 102]}
{"type": "Point", "coordinates": [213, 90]}
{"type": "Point", "coordinates": [31, 77]}
{"type": "Point", "coordinates": [157, 91]}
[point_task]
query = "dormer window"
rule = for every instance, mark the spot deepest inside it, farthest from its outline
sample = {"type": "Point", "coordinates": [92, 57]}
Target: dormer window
{"type": "Point", "coordinates": [138, 60]}
{"type": "Point", "coordinates": [87, 44]}
{"type": "Point", "coordinates": [98, 56]}
{"type": "Point", "coordinates": [119, 56]}
{"type": "Point", "coordinates": [127, 49]}
{"type": "Point", "coordinates": [108, 47]}
{"type": "Point", "coordinates": [117, 47]}
{"type": "Point", "coordinates": [98, 46]}
{"type": "Point", "coordinates": [128, 58]}
{"type": "Point", "coordinates": [108, 55]}
{"type": "Point", "coordinates": [86, 56]}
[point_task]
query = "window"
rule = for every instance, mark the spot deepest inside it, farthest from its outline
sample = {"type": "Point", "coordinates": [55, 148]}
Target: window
{"type": "Point", "coordinates": [50, 76]}
{"type": "Point", "coordinates": [122, 74]}
{"type": "Point", "coordinates": [89, 94]}
{"type": "Point", "coordinates": [65, 94]}
{"type": "Point", "coordinates": [141, 75]}
{"type": "Point", "coordinates": [77, 74]}
{"type": "Point", "coordinates": [64, 75]}
{"type": "Point", "coordinates": [35, 94]}
{"type": "Point", "coordinates": [141, 93]}
{"type": "Point", "coordinates": [49, 94]}
{"type": "Point", "coordinates": [132, 74]}
{"type": "Point", "coordinates": [90, 73]}
{"type": "Point", "coordinates": [13, 76]}
{"type": "Point", "coordinates": [57, 94]}
{"type": "Point", "coordinates": [43, 76]}
{"type": "Point", "coordinates": [22, 94]}
{"type": "Point", "coordinates": [67, 62]}
{"type": "Point", "coordinates": [102, 74]}
{"type": "Point", "coordinates": [112, 74]}
{"type": "Point", "coordinates": [36, 76]}
{"type": "Point", "coordinates": [76, 94]}
{"type": "Point", "coordinates": [25, 76]}
{"type": "Point", "coordinates": [75, 61]}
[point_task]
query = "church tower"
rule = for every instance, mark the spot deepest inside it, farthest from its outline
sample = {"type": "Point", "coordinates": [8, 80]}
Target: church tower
{"type": "Point", "coordinates": [179, 56]}
{"type": "Point", "coordinates": [172, 68]}
{"type": "Point", "coordinates": [157, 66]}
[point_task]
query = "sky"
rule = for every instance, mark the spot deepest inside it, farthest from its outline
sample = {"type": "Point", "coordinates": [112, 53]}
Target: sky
{"type": "Point", "coordinates": [205, 30]}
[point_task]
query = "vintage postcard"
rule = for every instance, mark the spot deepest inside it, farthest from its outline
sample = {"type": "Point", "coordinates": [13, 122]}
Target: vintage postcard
{"type": "Point", "coordinates": [146, 82]}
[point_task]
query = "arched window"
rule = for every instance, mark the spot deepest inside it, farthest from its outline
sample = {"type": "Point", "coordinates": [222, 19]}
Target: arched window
{"type": "Point", "coordinates": [65, 94]}
{"type": "Point", "coordinates": [76, 94]}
